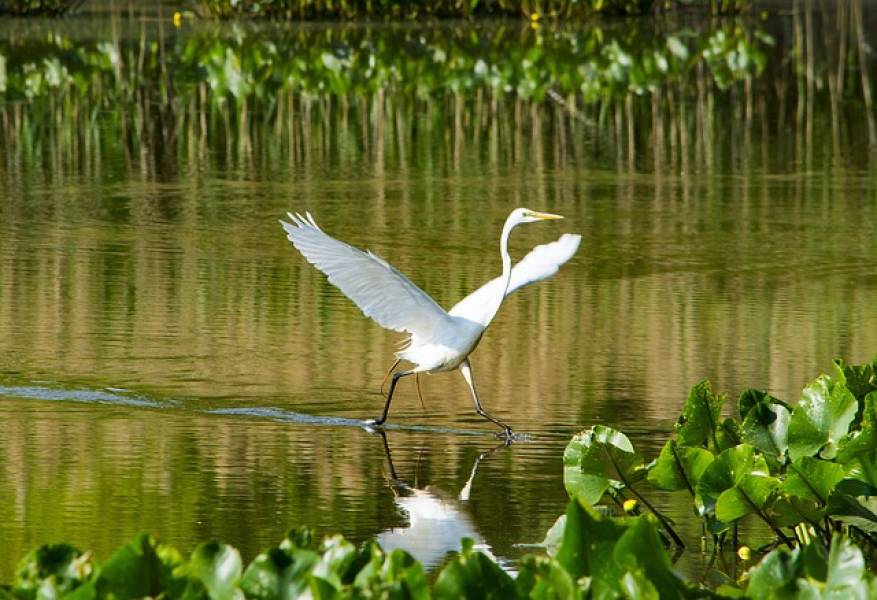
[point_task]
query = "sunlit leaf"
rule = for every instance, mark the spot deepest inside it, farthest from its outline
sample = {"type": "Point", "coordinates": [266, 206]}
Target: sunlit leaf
{"type": "Point", "coordinates": [597, 457]}
{"type": "Point", "coordinates": [700, 418]}
{"type": "Point", "coordinates": [812, 479]}
{"type": "Point", "coordinates": [821, 419]}
{"type": "Point", "coordinates": [765, 422]}
{"type": "Point", "coordinates": [218, 568]}
{"type": "Point", "coordinates": [679, 467]}
{"type": "Point", "coordinates": [741, 469]}
{"type": "Point", "coordinates": [473, 575]}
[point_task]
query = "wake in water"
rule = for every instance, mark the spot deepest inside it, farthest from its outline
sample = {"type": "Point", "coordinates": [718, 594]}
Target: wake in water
{"type": "Point", "coordinates": [120, 397]}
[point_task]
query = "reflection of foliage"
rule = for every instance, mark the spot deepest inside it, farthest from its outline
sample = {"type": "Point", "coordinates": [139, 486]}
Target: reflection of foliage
{"type": "Point", "coordinates": [595, 63]}
{"type": "Point", "coordinates": [37, 7]}
{"type": "Point", "coordinates": [313, 9]}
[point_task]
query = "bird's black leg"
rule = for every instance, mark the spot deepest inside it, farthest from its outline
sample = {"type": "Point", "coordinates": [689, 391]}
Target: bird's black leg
{"type": "Point", "coordinates": [393, 382]}
{"type": "Point", "coordinates": [466, 370]}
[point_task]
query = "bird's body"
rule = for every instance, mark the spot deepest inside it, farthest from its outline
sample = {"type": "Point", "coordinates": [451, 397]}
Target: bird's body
{"type": "Point", "coordinates": [439, 340]}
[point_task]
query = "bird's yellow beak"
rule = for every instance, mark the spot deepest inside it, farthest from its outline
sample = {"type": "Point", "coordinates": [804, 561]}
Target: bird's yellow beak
{"type": "Point", "coordinates": [545, 216]}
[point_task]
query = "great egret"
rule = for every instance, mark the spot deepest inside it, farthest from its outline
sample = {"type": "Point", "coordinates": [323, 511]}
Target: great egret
{"type": "Point", "coordinates": [439, 341]}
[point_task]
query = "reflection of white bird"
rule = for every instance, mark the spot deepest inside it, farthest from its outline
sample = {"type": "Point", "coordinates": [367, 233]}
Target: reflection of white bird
{"type": "Point", "coordinates": [436, 521]}
{"type": "Point", "coordinates": [439, 340]}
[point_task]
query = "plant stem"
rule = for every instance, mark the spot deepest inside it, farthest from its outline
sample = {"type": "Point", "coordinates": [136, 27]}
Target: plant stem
{"type": "Point", "coordinates": [763, 516]}
{"type": "Point", "coordinates": [664, 521]}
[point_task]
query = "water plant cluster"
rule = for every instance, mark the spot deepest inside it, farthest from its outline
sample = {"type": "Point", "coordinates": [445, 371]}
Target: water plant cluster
{"type": "Point", "coordinates": [807, 472]}
{"type": "Point", "coordinates": [401, 9]}
{"type": "Point", "coordinates": [242, 63]}
{"type": "Point", "coordinates": [37, 7]}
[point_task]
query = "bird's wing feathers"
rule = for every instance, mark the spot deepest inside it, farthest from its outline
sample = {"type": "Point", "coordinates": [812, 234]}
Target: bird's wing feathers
{"type": "Point", "coordinates": [540, 263]}
{"type": "Point", "coordinates": [378, 289]}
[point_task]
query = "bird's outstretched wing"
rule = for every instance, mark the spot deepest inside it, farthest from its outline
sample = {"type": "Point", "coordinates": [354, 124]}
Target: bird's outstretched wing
{"type": "Point", "coordinates": [378, 289]}
{"type": "Point", "coordinates": [540, 263]}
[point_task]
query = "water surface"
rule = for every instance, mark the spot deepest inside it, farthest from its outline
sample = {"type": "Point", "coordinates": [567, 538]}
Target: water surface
{"type": "Point", "coordinates": [169, 363]}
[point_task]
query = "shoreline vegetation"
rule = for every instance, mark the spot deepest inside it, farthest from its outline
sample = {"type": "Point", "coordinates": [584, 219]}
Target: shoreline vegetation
{"type": "Point", "coordinates": [807, 473]}
{"type": "Point", "coordinates": [344, 10]}
{"type": "Point", "coordinates": [650, 97]}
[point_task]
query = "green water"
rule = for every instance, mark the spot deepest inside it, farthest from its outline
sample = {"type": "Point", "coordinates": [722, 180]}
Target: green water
{"type": "Point", "coordinates": [169, 362]}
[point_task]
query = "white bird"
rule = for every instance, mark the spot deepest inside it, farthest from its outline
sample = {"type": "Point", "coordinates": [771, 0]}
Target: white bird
{"type": "Point", "coordinates": [439, 340]}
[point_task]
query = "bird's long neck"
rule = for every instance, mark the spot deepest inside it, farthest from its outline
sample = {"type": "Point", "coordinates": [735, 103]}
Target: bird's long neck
{"type": "Point", "coordinates": [506, 276]}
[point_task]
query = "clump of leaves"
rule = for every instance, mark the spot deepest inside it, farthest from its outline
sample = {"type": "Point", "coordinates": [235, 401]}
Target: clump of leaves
{"type": "Point", "coordinates": [812, 465]}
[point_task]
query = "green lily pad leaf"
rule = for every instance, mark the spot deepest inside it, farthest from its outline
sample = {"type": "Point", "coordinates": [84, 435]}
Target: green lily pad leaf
{"type": "Point", "coordinates": [52, 571]}
{"type": "Point", "coordinates": [861, 380]}
{"type": "Point", "coordinates": [473, 575]}
{"type": "Point", "coordinates": [775, 575]}
{"type": "Point", "coordinates": [636, 586]}
{"type": "Point", "coordinates": [753, 492]}
{"type": "Point", "coordinates": [728, 435]}
{"type": "Point", "coordinates": [679, 467]}
{"type": "Point", "coordinates": [821, 419]}
{"type": "Point", "coordinates": [863, 439]}
{"type": "Point", "coordinates": [727, 471]}
{"type": "Point", "coordinates": [765, 422]}
{"type": "Point", "coordinates": [846, 571]}
{"type": "Point", "coordinates": [861, 475]}
{"type": "Point", "coordinates": [143, 568]}
{"type": "Point", "coordinates": [218, 567]}
{"type": "Point", "coordinates": [639, 549]}
{"type": "Point", "coordinates": [337, 557]}
{"type": "Point", "coordinates": [860, 512]}
{"type": "Point", "coordinates": [554, 536]}
{"type": "Point", "coordinates": [700, 417]}
{"type": "Point", "coordinates": [543, 578]}
{"type": "Point", "coordinates": [597, 457]}
{"type": "Point", "coordinates": [395, 575]}
{"type": "Point", "coordinates": [587, 546]}
{"type": "Point", "coordinates": [279, 574]}
{"type": "Point", "coordinates": [788, 511]}
{"type": "Point", "coordinates": [812, 479]}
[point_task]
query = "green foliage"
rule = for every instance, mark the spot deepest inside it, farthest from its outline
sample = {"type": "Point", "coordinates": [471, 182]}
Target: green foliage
{"type": "Point", "coordinates": [37, 7]}
{"type": "Point", "coordinates": [598, 458]}
{"type": "Point", "coordinates": [402, 9]}
{"type": "Point", "coordinates": [809, 573]}
{"type": "Point", "coordinates": [244, 64]}
{"type": "Point", "coordinates": [814, 464]}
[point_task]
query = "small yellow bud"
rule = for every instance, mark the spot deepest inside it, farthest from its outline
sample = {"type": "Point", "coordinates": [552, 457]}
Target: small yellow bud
{"type": "Point", "coordinates": [744, 552]}
{"type": "Point", "coordinates": [629, 505]}
{"type": "Point", "coordinates": [178, 19]}
{"type": "Point", "coordinates": [535, 16]}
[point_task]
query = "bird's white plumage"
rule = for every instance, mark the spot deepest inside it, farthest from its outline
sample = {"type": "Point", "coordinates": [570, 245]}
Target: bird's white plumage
{"type": "Point", "coordinates": [378, 289]}
{"type": "Point", "coordinates": [541, 262]}
{"type": "Point", "coordinates": [440, 341]}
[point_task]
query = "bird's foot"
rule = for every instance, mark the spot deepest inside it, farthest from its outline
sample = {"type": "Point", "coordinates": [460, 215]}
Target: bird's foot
{"type": "Point", "coordinates": [506, 434]}
{"type": "Point", "coordinates": [373, 425]}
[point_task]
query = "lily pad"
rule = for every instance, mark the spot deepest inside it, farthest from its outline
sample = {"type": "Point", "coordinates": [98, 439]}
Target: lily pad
{"type": "Point", "coordinates": [596, 458]}
{"type": "Point", "coordinates": [740, 478]}
{"type": "Point", "coordinates": [679, 467]}
{"type": "Point", "coordinates": [821, 419]}
{"type": "Point", "coordinates": [699, 422]}
{"type": "Point", "coordinates": [765, 422]}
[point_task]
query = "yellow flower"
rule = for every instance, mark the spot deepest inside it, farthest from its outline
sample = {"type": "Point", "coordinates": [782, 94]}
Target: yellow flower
{"type": "Point", "coordinates": [535, 16]}
{"type": "Point", "coordinates": [744, 552]}
{"type": "Point", "coordinates": [629, 505]}
{"type": "Point", "coordinates": [178, 19]}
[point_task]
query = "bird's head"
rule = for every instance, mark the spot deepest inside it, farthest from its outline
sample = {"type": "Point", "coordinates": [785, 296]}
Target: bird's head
{"type": "Point", "coordinates": [525, 215]}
